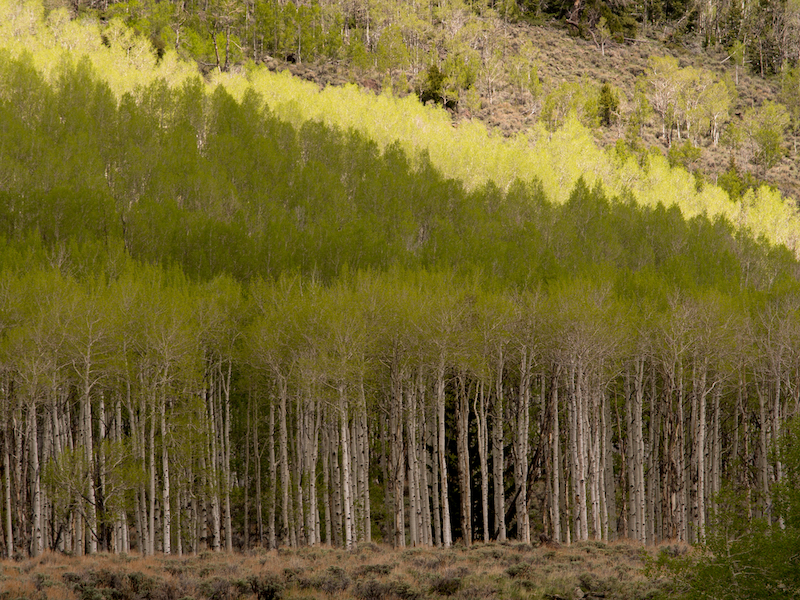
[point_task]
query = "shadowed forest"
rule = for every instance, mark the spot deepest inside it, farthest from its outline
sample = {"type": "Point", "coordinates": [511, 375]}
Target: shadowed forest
{"type": "Point", "coordinates": [227, 325]}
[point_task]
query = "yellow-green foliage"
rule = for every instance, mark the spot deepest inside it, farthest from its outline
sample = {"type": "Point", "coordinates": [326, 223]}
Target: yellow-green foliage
{"type": "Point", "coordinates": [125, 60]}
{"type": "Point", "coordinates": [466, 151]}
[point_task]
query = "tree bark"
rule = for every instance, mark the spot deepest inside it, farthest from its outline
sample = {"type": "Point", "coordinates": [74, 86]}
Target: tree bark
{"type": "Point", "coordinates": [479, 408]}
{"type": "Point", "coordinates": [555, 507]}
{"type": "Point", "coordinates": [447, 537]}
{"type": "Point", "coordinates": [349, 542]}
{"type": "Point", "coordinates": [462, 424]}
{"type": "Point", "coordinates": [498, 458]}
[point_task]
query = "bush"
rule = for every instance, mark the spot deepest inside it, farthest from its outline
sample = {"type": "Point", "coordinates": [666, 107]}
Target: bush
{"type": "Point", "coordinates": [371, 590]}
{"type": "Point", "coordinates": [446, 585]}
{"type": "Point", "coordinates": [266, 587]}
{"type": "Point", "coordinates": [607, 105]}
{"type": "Point", "coordinates": [372, 570]}
{"type": "Point", "coordinates": [332, 581]}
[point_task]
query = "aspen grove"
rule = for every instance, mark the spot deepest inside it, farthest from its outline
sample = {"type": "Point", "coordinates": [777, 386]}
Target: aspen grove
{"type": "Point", "coordinates": [222, 329]}
{"type": "Point", "coordinates": [154, 414]}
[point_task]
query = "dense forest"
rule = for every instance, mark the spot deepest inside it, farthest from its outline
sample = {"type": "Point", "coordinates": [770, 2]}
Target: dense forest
{"type": "Point", "coordinates": [226, 322]}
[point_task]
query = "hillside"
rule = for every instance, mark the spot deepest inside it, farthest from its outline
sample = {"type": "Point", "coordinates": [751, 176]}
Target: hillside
{"type": "Point", "coordinates": [243, 312]}
{"type": "Point", "coordinates": [561, 57]}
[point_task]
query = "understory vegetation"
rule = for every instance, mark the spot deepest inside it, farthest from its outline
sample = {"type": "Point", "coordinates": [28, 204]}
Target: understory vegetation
{"type": "Point", "coordinates": [597, 570]}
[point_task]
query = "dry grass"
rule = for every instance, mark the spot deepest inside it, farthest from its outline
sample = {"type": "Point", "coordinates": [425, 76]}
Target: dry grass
{"type": "Point", "coordinates": [482, 572]}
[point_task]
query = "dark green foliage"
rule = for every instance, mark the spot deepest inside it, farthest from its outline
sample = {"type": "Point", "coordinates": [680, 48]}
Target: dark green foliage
{"type": "Point", "coordinates": [607, 105]}
{"type": "Point", "coordinates": [432, 87]}
{"type": "Point", "coordinates": [372, 570]}
{"type": "Point", "coordinates": [735, 182]}
{"type": "Point", "coordinates": [446, 584]}
{"type": "Point", "coordinates": [745, 558]}
{"type": "Point", "coordinates": [212, 186]}
{"type": "Point", "coordinates": [266, 587]}
{"type": "Point", "coordinates": [684, 155]}
{"type": "Point", "coordinates": [108, 584]}
{"type": "Point", "coordinates": [517, 570]}
{"type": "Point", "coordinates": [334, 580]}
{"type": "Point", "coordinates": [372, 589]}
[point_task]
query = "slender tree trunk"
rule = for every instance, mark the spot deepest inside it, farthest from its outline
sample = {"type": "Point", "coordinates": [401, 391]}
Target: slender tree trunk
{"type": "Point", "coordinates": [363, 464]}
{"type": "Point", "coordinates": [447, 537]}
{"type": "Point", "coordinates": [701, 455]}
{"type": "Point", "coordinates": [36, 482]}
{"type": "Point", "coordinates": [336, 486]}
{"type": "Point", "coordinates": [682, 465]}
{"type": "Point", "coordinates": [415, 510]}
{"type": "Point", "coordinates": [462, 424]}
{"type": "Point", "coordinates": [349, 542]}
{"type": "Point", "coordinates": [89, 452]}
{"type": "Point", "coordinates": [521, 454]}
{"type": "Point", "coordinates": [609, 491]}
{"type": "Point", "coordinates": [595, 472]}
{"type": "Point", "coordinates": [498, 458]}
{"type": "Point", "coordinates": [9, 521]}
{"type": "Point", "coordinates": [273, 479]}
{"type": "Point", "coordinates": [427, 537]}
{"type": "Point", "coordinates": [151, 543]}
{"type": "Point", "coordinates": [555, 516]}
{"type": "Point", "coordinates": [398, 461]}
{"type": "Point", "coordinates": [284, 454]}
{"type": "Point", "coordinates": [326, 484]}
{"type": "Point", "coordinates": [436, 516]}
{"type": "Point", "coordinates": [225, 379]}
{"type": "Point", "coordinates": [215, 434]}
{"type": "Point", "coordinates": [167, 517]}
{"type": "Point", "coordinates": [301, 434]}
{"type": "Point", "coordinates": [248, 433]}
{"type": "Point", "coordinates": [479, 408]}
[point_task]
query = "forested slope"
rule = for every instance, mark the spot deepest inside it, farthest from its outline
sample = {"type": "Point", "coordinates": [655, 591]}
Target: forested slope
{"type": "Point", "coordinates": [714, 85]}
{"type": "Point", "coordinates": [226, 323]}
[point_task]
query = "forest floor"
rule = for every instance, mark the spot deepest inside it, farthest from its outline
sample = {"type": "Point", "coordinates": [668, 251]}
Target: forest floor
{"type": "Point", "coordinates": [483, 572]}
{"type": "Point", "coordinates": [563, 57]}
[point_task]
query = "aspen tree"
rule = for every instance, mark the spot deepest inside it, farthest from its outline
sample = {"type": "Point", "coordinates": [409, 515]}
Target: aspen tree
{"type": "Point", "coordinates": [433, 442]}
{"type": "Point", "coordinates": [326, 485]}
{"type": "Point", "coordinates": [349, 541]}
{"type": "Point", "coordinates": [479, 408]}
{"type": "Point", "coordinates": [87, 344]}
{"type": "Point", "coordinates": [363, 463]}
{"type": "Point", "coordinates": [462, 425]}
{"type": "Point", "coordinates": [7, 480]}
{"type": "Point", "coordinates": [415, 510]}
{"type": "Point", "coordinates": [444, 312]}
{"type": "Point", "coordinates": [555, 505]}
{"type": "Point", "coordinates": [336, 478]}
{"type": "Point", "coordinates": [273, 479]}
{"type": "Point", "coordinates": [397, 456]}
{"type": "Point", "coordinates": [522, 428]}
{"type": "Point", "coordinates": [422, 461]}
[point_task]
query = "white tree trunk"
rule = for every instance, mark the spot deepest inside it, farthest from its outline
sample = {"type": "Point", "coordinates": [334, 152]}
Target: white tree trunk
{"type": "Point", "coordinates": [447, 536]}
{"type": "Point", "coordinates": [555, 517]}
{"type": "Point", "coordinates": [166, 514]}
{"type": "Point", "coordinates": [498, 459]}
{"type": "Point", "coordinates": [36, 483]}
{"type": "Point", "coordinates": [479, 408]}
{"type": "Point", "coordinates": [349, 542]}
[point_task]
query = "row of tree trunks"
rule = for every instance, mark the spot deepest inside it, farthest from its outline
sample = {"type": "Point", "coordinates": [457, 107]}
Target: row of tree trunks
{"type": "Point", "coordinates": [669, 423]}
